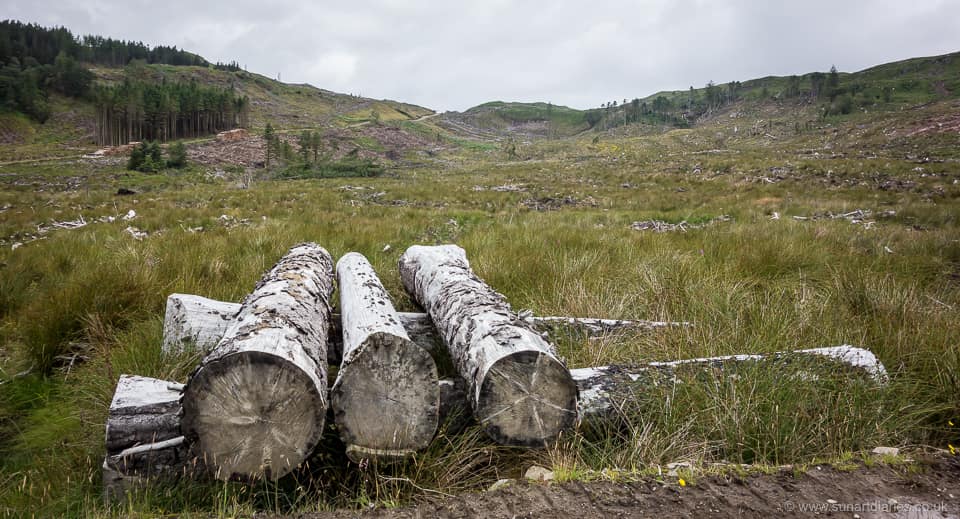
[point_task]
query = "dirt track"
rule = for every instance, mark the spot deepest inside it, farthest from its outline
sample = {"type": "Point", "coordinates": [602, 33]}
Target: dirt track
{"type": "Point", "coordinates": [864, 492]}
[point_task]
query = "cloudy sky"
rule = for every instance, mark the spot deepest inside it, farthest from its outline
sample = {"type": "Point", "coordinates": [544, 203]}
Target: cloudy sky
{"type": "Point", "coordinates": [451, 55]}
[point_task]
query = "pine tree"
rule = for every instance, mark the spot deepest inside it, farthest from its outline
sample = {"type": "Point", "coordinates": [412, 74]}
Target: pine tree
{"type": "Point", "coordinates": [177, 156]}
{"type": "Point", "coordinates": [268, 136]}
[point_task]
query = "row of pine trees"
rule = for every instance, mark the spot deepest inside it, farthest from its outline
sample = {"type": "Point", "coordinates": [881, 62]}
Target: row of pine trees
{"type": "Point", "coordinates": [140, 111]}
{"type": "Point", "coordinates": [25, 42]}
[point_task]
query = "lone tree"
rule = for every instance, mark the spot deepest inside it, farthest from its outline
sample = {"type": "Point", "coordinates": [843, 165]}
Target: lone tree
{"type": "Point", "coordinates": [833, 82]}
{"type": "Point", "coordinates": [269, 136]}
{"type": "Point", "coordinates": [177, 156]}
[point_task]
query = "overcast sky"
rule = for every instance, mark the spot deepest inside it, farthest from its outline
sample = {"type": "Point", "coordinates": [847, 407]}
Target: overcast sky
{"type": "Point", "coordinates": [451, 55]}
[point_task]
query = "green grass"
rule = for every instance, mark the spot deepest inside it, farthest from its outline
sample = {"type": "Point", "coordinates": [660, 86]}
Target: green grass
{"type": "Point", "coordinates": [754, 284]}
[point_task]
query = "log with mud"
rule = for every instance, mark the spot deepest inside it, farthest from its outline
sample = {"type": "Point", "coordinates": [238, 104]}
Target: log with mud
{"type": "Point", "coordinates": [256, 405]}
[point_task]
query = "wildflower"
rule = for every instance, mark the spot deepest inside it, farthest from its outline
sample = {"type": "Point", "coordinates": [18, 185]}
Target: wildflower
{"type": "Point", "coordinates": [950, 423]}
{"type": "Point", "coordinates": [953, 450]}
{"type": "Point", "coordinates": [684, 483]}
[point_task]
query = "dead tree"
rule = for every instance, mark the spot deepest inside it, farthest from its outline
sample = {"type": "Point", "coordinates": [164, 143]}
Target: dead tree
{"type": "Point", "coordinates": [520, 393]}
{"type": "Point", "coordinates": [256, 404]}
{"type": "Point", "coordinates": [386, 397]}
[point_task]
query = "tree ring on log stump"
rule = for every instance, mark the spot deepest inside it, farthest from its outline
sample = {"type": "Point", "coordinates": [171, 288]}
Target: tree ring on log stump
{"type": "Point", "coordinates": [527, 398]}
{"type": "Point", "coordinates": [252, 413]}
{"type": "Point", "coordinates": [387, 380]}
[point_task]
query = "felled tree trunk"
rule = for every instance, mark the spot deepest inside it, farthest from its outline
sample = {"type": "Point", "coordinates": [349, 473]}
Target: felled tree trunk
{"type": "Point", "coordinates": [201, 322]}
{"type": "Point", "coordinates": [386, 397]}
{"type": "Point", "coordinates": [606, 390]}
{"type": "Point", "coordinates": [142, 426]}
{"type": "Point", "coordinates": [142, 434]}
{"type": "Point", "coordinates": [256, 404]}
{"type": "Point", "coordinates": [519, 391]}
{"type": "Point", "coordinates": [195, 320]}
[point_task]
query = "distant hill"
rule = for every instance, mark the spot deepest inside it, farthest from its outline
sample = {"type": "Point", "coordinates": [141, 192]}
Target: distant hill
{"type": "Point", "coordinates": [886, 87]}
{"type": "Point", "coordinates": [51, 84]}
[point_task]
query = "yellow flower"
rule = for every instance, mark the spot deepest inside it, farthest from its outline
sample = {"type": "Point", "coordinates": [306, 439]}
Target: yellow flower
{"type": "Point", "coordinates": [684, 483]}
{"type": "Point", "coordinates": [950, 423]}
{"type": "Point", "coordinates": [953, 450]}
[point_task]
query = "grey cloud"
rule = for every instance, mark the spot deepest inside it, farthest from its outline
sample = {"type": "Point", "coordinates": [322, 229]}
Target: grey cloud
{"type": "Point", "coordinates": [453, 55]}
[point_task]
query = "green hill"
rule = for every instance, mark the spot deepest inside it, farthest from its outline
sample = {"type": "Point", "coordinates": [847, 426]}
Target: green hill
{"type": "Point", "coordinates": [883, 88]}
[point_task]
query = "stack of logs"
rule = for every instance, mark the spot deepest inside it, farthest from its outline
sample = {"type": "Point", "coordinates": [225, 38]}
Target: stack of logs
{"type": "Point", "coordinates": [257, 403]}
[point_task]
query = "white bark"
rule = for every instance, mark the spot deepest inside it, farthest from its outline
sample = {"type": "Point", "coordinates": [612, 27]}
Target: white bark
{"type": "Point", "coordinates": [519, 391]}
{"type": "Point", "coordinates": [142, 434]}
{"type": "Point", "coordinates": [195, 320]}
{"type": "Point", "coordinates": [256, 404]}
{"type": "Point", "coordinates": [201, 322]}
{"type": "Point", "coordinates": [604, 390]}
{"type": "Point", "coordinates": [386, 397]}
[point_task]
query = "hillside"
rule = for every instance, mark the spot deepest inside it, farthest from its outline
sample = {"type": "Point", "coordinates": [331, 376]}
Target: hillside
{"type": "Point", "coordinates": [69, 130]}
{"type": "Point", "coordinates": [800, 99]}
{"type": "Point", "coordinates": [747, 220]}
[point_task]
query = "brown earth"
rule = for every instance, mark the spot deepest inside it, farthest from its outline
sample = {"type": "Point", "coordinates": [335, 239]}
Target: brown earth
{"type": "Point", "coordinates": [931, 491]}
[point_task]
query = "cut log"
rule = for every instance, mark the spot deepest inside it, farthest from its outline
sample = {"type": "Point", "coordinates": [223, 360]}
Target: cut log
{"type": "Point", "coordinates": [256, 404]}
{"type": "Point", "coordinates": [603, 393]}
{"type": "Point", "coordinates": [520, 393]}
{"type": "Point", "coordinates": [143, 410]}
{"type": "Point", "coordinates": [201, 322]}
{"type": "Point", "coordinates": [142, 434]}
{"type": "Point", "coordinates": [605, 390]}
{"type": "Point", "coordinates": [197, 321]}
{"type": "Point", "coordinates": [386, 397]}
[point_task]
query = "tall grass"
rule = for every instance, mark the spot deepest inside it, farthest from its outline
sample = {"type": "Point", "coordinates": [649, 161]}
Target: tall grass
{"type": "Point", "coordinates": [82, 307]}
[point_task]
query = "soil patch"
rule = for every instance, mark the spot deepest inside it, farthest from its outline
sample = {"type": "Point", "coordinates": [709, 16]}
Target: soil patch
{"type": "Point", "coordinates": [867, 492]}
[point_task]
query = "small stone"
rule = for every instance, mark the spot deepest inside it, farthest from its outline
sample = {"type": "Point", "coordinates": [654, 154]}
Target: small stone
{"type": "Point", "coordinates": [856, 516]}
{"type": "Point", "coordinates": [538, 473]}
{"type": "Point", "coordinates": [831, 501]}
{"type": "Point", "coordinates": [500, 484]}
{"type": "Point", "coordinates": [886, 451]}
{"type": "Point", "coordinates": [892, 502]}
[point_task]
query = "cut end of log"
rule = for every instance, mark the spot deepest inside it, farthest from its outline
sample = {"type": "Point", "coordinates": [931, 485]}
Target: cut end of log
{"type": "Point", "coordinates": [386, 399]}
{"type": "Point", "coordinates": [527, 398]}
{"type": "Point", "coordinates": [252, 414]}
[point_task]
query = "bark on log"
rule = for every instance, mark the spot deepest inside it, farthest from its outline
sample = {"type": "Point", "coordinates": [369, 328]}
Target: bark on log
{"type": "Point", "coordinates": [605, 390]}
{"type": "Point", "coordinates": [256, 404]}
{"type": "Point", "coordinates": [386, 397]}
{"type": "Point", "coordinates": [142, 434]}
{"type": "Point", "coordinates": [520, 393]}
{"type": "Point", "coordinates": [194, 320]}
{"type": "Point", "coordinates": [201, 322]}
{"type": "Point", "coordinates": [603, 393]}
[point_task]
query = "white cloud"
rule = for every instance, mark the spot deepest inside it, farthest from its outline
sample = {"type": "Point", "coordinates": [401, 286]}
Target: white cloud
{"type": "Point", "coordinates": [334, 68]}
{"type": "Point", "coordinates": [453, 55]}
